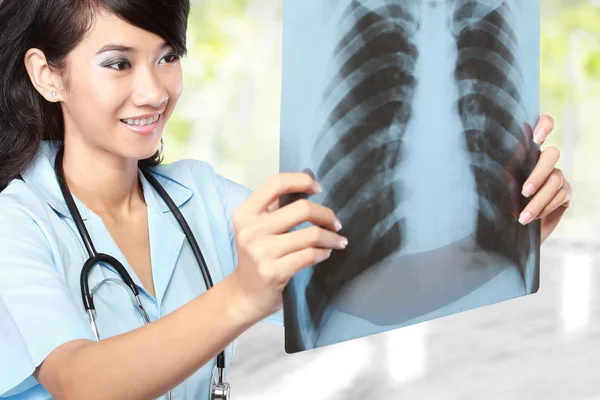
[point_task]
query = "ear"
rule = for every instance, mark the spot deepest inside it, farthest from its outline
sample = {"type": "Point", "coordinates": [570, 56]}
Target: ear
{"type": "Point", "coordinates": [46, 81]}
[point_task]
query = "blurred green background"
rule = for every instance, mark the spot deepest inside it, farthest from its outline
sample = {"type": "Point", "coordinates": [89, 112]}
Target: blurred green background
{"type": "Point", "coordinates": [229, 112]}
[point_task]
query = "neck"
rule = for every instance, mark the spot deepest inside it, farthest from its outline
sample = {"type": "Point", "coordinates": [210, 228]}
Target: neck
{"type": "Point", "coordinates": [106, 184]}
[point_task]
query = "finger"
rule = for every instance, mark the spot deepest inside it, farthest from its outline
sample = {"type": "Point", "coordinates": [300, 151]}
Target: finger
{"type": "Point", "coordinates": [273, 206]}
{"type": "Point", "coordinates": [556, 202]}
{"type": "Point", "coordinates": [527, 132]}
{"type": "Point", "coordinates": [562, 199]}
{"type": "Point", "coordinates": [289, 198]}
{"type": "Point", "coordinates": [544, 167]}
{"type": "Point", "coordinates": [293, 263]}
{"type": "Point", "coordinates": [292, 215]}
{"type": "Point", "coordinates": [543, 129]}
{"type": "Point", "coordinates": [543, 197]}
{"type": "Point", "coordinates": [551, 221]}
{"type": "Point", "coordinates": [278, 246]}
{"type": "Point", "coordinates": [278, 185]}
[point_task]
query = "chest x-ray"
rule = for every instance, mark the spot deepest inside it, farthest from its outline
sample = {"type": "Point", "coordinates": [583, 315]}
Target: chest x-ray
{"type": "Point", "coordinates": [416, 117]}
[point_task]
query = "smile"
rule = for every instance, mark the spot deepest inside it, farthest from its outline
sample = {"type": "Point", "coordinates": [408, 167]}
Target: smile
{"type": "Point", "coordinates": [142, 122]}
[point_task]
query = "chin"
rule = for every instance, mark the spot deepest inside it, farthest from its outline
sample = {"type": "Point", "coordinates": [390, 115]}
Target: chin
{"type": "Point", "coordinates": [140, 151]}
{"type": "Point", "coordinates": [142, 154]}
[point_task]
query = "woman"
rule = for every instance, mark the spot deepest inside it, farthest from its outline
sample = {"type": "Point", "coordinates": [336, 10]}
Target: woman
{"type": "Point", "coordinates": [95, 82]}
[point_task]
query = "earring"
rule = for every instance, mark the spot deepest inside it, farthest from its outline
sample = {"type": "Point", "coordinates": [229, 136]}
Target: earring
{"type": "Point", "coordinates": [53, 94]}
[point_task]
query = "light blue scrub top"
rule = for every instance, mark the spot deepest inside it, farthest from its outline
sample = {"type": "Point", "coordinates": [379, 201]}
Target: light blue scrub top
{"type": "Point", "coordinates": [41, 255]}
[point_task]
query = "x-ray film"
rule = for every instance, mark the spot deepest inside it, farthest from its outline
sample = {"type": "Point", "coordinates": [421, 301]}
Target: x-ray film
{"type": "Point", "coordinates": [416, 117]}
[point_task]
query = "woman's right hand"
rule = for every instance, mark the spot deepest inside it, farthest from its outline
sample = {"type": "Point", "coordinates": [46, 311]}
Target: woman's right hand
{"type": "Point", "coordinates": [268, 254]}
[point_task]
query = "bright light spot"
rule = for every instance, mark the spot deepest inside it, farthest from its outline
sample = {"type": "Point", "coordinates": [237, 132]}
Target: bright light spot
{"type": "Point", "coordinates": [406, 353]}
{"type": "Point", "coordinates": [324, 376]}
{"type": "Point", "coordinates": [576, 290]}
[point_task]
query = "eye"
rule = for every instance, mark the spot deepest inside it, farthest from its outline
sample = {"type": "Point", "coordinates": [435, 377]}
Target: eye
{"type": "Point", "coordinates": [171, 58]}
{"type": "Point", "coordinates": [119, 65]}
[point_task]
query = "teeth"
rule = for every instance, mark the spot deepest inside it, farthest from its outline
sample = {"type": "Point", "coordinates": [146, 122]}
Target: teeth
{"type": "Point", "coordinates": [142, 122]}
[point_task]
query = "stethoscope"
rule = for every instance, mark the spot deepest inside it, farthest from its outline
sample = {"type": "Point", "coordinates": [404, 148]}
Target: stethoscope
{"type": "Point", "coordinates": [219, 390]}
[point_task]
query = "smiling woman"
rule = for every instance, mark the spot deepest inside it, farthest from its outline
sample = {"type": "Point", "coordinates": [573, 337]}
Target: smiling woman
{"type": "Point", "coordinates": [75, 57]}
{"type": "Point", "coordinates": [86, 89]}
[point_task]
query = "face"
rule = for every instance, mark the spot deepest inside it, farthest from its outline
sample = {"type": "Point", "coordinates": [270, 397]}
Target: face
{"type": "Point", "coordinates": [123, 85]}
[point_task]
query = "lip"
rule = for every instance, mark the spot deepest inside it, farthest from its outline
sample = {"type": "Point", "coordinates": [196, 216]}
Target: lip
{"type": "Point", "coordinates": [144, 130]}
{"type": "Point", "coordinates": [145, 116]}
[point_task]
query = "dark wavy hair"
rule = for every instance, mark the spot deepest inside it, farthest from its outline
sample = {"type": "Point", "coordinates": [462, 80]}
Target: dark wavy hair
{"type": "Point", "coordinates": [56, 27]}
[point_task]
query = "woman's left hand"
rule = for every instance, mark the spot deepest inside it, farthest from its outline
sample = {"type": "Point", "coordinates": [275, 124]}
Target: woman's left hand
{"type": "Point", "coordinates": [550, 189]}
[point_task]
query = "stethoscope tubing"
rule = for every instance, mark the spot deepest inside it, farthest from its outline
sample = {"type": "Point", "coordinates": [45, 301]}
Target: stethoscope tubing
{"type": "Point", "coordinates": [95, 257]}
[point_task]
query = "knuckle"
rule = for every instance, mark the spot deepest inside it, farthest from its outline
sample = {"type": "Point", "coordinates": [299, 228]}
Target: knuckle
{"type": "Point", "coordinates": [557, 178]}
{"type": "Point", "coordinates": [554, 152]}
{"type": "Point", "coordinates": [242, 238]}
{"type": "Point", "coordinates": [562, 196]}
{"type": "Point", "coordinates": [313, 254]}
{"type": "Point", "coordinates": [305, 207]}
{"type": "Point", "coordinates": [565, 194]}
{"type": "Point", "coordinates": [320, 255]}
{"type": "Point", "coordinates": [258, 252]}
{"type": "Point", "coordinates": [266, 273]}
{"type": "Point", "coordinates": [560, 173]}
{"type": "Point", "coordinates": [277, 182]}
{"type": "Point", "coordinates": [315, 234]}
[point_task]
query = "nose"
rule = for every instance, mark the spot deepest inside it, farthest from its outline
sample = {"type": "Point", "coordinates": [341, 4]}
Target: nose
{"type": "Point", "coordinates": [148, 89]}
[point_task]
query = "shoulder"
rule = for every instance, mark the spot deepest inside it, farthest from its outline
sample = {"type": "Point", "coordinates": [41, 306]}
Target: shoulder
{"type": "Point", "coordinates": [29, 269]}
{"type": "Point", "coordinates": [26, 221]}
{"type": "Point", "coordinates": [20, 205]}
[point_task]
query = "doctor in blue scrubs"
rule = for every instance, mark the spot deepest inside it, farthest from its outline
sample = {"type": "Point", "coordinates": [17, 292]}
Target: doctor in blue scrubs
{"type": "Point", "coordinates": [94, 83]}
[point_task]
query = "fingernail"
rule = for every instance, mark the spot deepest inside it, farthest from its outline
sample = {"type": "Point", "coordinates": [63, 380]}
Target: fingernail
{"type": "Point", "coordinates": [317, 187]}
{"type": "Point", "coordinates": [309, 172]}
{"type": "Point", "coordinates": [343, 243]}
{"type": "Point", "coordinates": [525, 218]}
{"type": "Point", "coordinates": [528, 190]}
{"type": "Point", "coordinates": [324, 256]}
{"type": "Point", "coordinates": [337, 225]}
{"type": "Point", "coordinates": [538, 135]}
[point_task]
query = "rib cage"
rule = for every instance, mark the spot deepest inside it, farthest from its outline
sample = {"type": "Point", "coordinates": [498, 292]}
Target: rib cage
{"type": "Point", "coordinates": [489, 106]}
{"type": "Point", "coordinates": [377, 64]}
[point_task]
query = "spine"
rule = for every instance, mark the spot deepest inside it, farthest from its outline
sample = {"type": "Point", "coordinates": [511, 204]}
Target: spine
{"type": "Point", "coordinates": [370, 98]}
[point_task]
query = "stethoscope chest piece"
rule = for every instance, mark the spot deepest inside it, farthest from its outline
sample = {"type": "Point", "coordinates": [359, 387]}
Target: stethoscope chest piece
{"type": "Point", "coordinates": [218, 390]}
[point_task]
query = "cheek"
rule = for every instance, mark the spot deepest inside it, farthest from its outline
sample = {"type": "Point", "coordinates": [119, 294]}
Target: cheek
{"type": "Point", "coordinates": [109, 98]}
{"type": "Point", "coordinates": [99, 100]}
{"type": "Point", "coordinates": [174, 87]}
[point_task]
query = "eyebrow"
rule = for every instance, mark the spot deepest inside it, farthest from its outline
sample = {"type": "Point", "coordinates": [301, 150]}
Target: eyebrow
{"type": "Point", "coordinates": [123, 48]}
